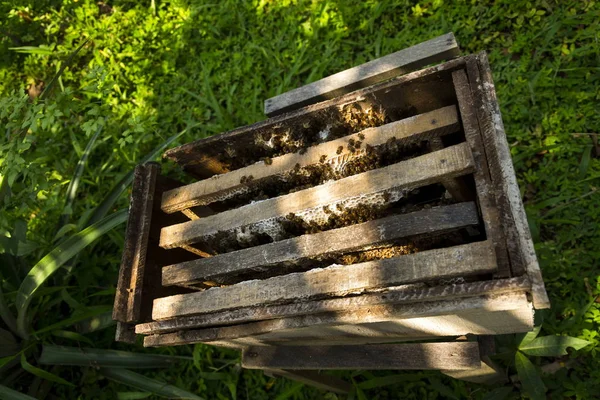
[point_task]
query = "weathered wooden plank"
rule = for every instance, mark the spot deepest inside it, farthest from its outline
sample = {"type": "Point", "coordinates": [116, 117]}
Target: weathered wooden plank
{"type": "Point", "coordinates": [223, 268]}
{"type": "Point", "coordinates": [456, 187]}
{"type": "Point", "coordinates": [314, 379]}
{"type": "Point", "coordinates": [407, 356]}
{"type": "Point", "coordinates": [125, 333]}
{"type": "Point", "coordinates": [481, 315]}
{"type": "Point", "coordinates": [519, 242]}
{"type": "Point", "coordinates": [203, 158]}
{"type": "Point", "coordinates": [224, 186]}
{"type": "Point", "coordinates": [128, 296]}
{"type": "Point", "coordinates": [368, 186]}
{"type": "Point", "coordinates": [484, 188]}
{"type": "Point", "coordinates": [487, 373]}
{"type": "Point", "coordinates": [389, 296]}
{"type": "Point", "coordinates": [400, 62]}
{"type": "Point", "coordinates": [338, 280]}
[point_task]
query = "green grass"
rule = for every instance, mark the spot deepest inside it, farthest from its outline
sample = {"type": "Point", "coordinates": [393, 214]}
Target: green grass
{"type": "Point", "coordinates": [151, 69]}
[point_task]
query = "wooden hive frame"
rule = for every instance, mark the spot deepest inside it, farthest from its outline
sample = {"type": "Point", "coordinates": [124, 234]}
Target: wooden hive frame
{"type": "Point", "coordinates": [488, 285]}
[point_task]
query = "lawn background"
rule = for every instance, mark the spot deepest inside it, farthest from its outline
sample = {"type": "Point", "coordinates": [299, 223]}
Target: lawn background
{"type": "Point", "coordinates": [151, 69]}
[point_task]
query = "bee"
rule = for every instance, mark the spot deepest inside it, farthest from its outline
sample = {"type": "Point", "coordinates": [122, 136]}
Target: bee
{"type": "Point", "coordinates": [297, 167]}
{"type": "Point", "coordinates": [357, 144]}
{"type": "Point", "coordinates": [243, 179]}
{"type": "Point", "coordinates": [339, 150]}
{"type": "Point", "coordinates": [351, 142]}
{"type": "Point", "coordinates": [268, 160]}
{"type": "Point", "coordinates": [249, 178]}
{"type": "Point", "coordinates": [323, 158]}
{"type": "Point", "coordinates": [361, 136]}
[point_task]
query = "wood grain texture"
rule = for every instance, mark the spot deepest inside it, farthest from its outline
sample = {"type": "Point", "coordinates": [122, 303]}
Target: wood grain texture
{"type": "Point", "coordinates": [520, 245]}
{"type": "Point", "coordinates": [338, 280]}
{"type": "Point", "coordinates": [224, 186]}
{"type": "Point", "coordinates": [401, 295]}
{"type": "Point", "coordinates": [201, 157]}
{"type": "Point", "coordinates": [485, 191]}
{"type": "Point", "coordinates": [400, 62]}
{"type": "Point", "coordinates": [128, 296]}
{"type": "Point", "coordinates": [125, 333]}
{"type": "Point", "coordinates": [481, 315]}
{"type": "Point", "coordinates": [223, 268]}
{"type": "Point", "coordinates": [314, 379]}
{"type": "Point", "coordinates": [448, 355]}
{"type": "Point", "coordinates": [419, 171]}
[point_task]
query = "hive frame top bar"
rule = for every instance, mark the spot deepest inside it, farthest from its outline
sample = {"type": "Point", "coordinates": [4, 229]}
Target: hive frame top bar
{"type": "Point", "coordinates": [435, 50]}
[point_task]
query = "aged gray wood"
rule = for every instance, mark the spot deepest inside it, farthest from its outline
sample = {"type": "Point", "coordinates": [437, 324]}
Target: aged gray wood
{"type": "Point", "coordinates": [128, 296]}
{"type": "Point", "coordinates": [419, 171]}
{"type": "Point", "coordinates": [400, 62]}
{"type": "Point", "coordinates": [224, 186]}
{"type": "Point", "coordinates": [398, 295]}
{"type": "Point", "coordinates": [201, 157]}
{"type": "Point", "coordinates": [223, 268]}
{"type": "Point", "coordinates": [448, 355]}
{"type": "Point", "coordinates": [125, 333]}
{"type": "Point", "coordinates": [503, 176]}
{"type": "Point", "coordinates": [314, 379]}
{"type": "Point", "coordinates": [338, 280]}
{"type": "Point", "coordinates": [487, 314]}
{"type": "Point", "coordinates": [485, 190]}
{"type": "Point", "coordinates": [457, 187]}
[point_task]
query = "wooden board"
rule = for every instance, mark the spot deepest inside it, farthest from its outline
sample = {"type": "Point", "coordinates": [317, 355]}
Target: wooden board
{"type": "Point", "coordinates": [338, 280]}
{"type": "Point", "coordinates": [520, 245]}
{"type": "Point", "coordinates": [431, 51]}
{"type": "Point", "coordinates": [398, 295]}
{"type": "Point", "coordinates": [483, 184]}
{"type": "Point", "coordinates": [400, 96]}
{"type": "Point", "coordinates": [482, 315]}
{"type": "Point", "coordinates": [128, 296]}
{"type": "Point", "coordinates": [445, 355]}
{"type": "Point", "coordinates": [223, 268]}
{"type": "Point", "coordinates": [419, 171]}
{"type": "Point", "coordinates": [224, 186]}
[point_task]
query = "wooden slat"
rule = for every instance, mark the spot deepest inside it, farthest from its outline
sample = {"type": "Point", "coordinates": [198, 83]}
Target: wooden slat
{"type": "Point", "coordinates": [224, 186]}
{"type": "Point", "coordinates": [390, 296]}
{"type": "Point", "coordinates": [337, 280]}
{"type": "Point", "coordinates": [519, 243]}
{"type": "Point", "coordinates": [203, 158]}
{"type": "Point", "coordinates": [420, 171]}
{"type": "Point", "coordinates": [125, 333]}
{"type": "Point", "coordinates": [128, 296]}
{"type": "Point", "coordinates": [434, 50]}
{"type": "Point", "coordinates": [449, 355]}
{"type": "Point", "coordinates": [223, 268]}
{"type": "Point", "coordinates": [456, 187]}
{"type": "Point", "coordinates": [314, 379]}
{"type": "Point", "coordinates": [482, 315]}
{"type": "Point", "coordinates": [485, 190]}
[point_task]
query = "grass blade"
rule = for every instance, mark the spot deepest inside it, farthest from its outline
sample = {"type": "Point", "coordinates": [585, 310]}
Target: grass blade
{"type": "Point", "coordinates": [57, 257]}
{"type": "Point", "coordinates": [65, 355]}
{"type": "Point", "coordinates": [111, 198]}
{"type": "Point", "coordinates": [96, 323]}
{"type": "Point", "coordinates": [42, 373]}
{"type": "Point", "coordinates": [74, 183]}
{"type": "Point", "coordinates": [92, 312]}
{"type": "Point", "coordinates": [48, 89]}
{"type": "Point", "coordinates": [72, 336]}
{"type": "Point", "coordinates": [141, 382]}
{"type": "Point", "coordinates": [530, 377]}
{"type": "Point", "coordinates": [10, 394]}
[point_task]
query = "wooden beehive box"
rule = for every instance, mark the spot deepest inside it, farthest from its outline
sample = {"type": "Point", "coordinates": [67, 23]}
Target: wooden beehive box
{"type": "Point", "coordinates": [383, 215]}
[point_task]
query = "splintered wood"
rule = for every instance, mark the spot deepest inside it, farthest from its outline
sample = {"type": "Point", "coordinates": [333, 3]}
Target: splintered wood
{"type": "Point", "coordinates": [325, 237]}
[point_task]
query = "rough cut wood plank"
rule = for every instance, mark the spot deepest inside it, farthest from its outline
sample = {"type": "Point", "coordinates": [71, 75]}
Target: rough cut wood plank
{"type": "Point", "coordinates": [222, 268]}
{"type": "Point", "coordinates": [485, 190]}
{"type": "Point", "coordinates": [503, 176]}
{"type": "Point", "coordinates": [456, 187]}
{"type": "Point", "coordinates": [201, 157]}
{"type": "Point", "coordinates": [483, 315]}
{"type": "Point", "coordinates": [337, 280]}
{"type": "Point", "coordinates": [420, 171]}
{"type": "Point", "coordinates": [403, 295]}
{"type": "Point", "coordinates": [448, 355]}
{"type": "Point", "coordinates": [224, 186]}
{"type": "Point", "coordinates": [128, 296]}
{"type": "Point", "coordinates": [314, 379]}
{"type": "Point", "coordinates": [125, 333]}
{"type": "Point", "coordinates": [400, 62]}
